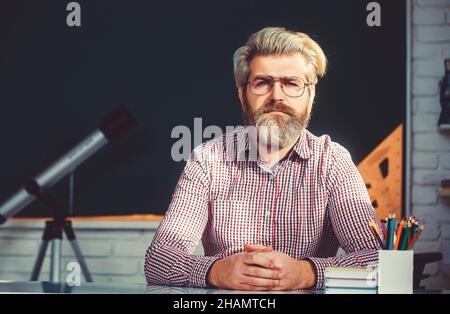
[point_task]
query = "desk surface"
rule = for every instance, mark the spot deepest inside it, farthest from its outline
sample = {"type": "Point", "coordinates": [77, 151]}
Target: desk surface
{"type": "Point", "coordinates": [111, 288]}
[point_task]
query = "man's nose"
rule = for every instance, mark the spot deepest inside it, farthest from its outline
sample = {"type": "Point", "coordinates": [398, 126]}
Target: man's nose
{"type": "Point", "coordinates": [277, 91]}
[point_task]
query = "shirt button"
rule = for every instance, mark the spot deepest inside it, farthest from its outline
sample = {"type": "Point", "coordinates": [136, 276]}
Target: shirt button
{"type": "Point", "coordinates": [267, 214]}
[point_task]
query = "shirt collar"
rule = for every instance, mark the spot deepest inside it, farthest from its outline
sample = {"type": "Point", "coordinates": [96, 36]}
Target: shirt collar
{"type": "Point", "coordinates": [301, 147]}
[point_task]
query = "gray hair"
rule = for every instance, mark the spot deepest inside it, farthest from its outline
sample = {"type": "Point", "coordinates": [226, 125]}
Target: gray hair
{"type": "Point", "coordinates": [278, 41]}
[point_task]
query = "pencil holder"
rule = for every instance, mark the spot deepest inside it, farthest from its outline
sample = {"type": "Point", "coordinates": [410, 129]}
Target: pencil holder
{"type": "Point", "coordinates": [395, 272]}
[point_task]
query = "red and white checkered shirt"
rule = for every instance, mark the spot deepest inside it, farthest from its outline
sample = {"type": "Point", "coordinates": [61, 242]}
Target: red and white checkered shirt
{"type": "Point", "coordinates": [312, 202]}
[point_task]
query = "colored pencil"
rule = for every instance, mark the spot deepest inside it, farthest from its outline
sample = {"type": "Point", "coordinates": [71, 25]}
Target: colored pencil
{"type": "Point", "coordinates": [402, 235]}
{"type": "Point", "coordinates": [416, 236]}
{"type": "Point", "coordinates": [392, 231]}
{"type": "Point", "coordinates": [398, 234]}
{"type": "Point", "coordinates": [412, 232]}
{"type": "Point", "coordinates": [383, 228]}
{"type": "Point", "coordinates": [388, 237]}
{"type": "Point", "coordinates": [376, 234]}
{"type": "Point", "coordinates": [405, 237]}
{"type": "Point", "coordinates": [385, 222]}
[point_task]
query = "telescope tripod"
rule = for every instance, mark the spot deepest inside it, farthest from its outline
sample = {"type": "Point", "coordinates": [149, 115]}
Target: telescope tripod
{"type": "Point", "coordinates": [53, 234]}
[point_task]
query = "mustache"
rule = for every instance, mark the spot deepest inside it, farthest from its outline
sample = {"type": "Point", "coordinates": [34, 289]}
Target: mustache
{"type": "Point", "coordinates": [277, 106]}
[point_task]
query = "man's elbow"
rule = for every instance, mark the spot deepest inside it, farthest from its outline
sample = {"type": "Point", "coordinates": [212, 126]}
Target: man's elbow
{"type": "Point", "coordinates": [151, 271]}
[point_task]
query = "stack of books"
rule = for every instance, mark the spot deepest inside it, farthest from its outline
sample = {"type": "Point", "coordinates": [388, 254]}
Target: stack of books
{"type": "Point", "coordinates": [351, 280]}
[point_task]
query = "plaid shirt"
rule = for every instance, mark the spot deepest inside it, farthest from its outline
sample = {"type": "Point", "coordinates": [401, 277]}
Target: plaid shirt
{"type": "Point", "coordinates": [311, 203]}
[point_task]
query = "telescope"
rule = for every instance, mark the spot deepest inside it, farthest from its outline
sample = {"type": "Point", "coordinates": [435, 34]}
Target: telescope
{"type": "Point", "coordinates": [114, 125]}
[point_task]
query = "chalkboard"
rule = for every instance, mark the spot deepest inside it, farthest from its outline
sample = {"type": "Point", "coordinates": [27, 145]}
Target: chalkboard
{"type": "Point", "coordinates": [57, 82]}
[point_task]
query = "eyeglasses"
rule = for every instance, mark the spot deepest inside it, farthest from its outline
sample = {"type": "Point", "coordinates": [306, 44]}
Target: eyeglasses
{"type": "Point", "coordinates": [292, 86]}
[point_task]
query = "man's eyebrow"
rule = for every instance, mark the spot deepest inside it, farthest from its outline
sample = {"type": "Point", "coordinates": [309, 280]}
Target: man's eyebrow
{"type": "Point", "coordinates": [263, 76]}
{"type": "Point", "coordinates": [287, 76]}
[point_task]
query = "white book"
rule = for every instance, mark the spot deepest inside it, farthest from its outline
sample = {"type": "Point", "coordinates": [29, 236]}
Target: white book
{"type": "Point", "coordinates": [351, 283]}
{"type": "Point", "coordinates": [351, 272]}
{"type": "Point", "coordinates": [349, 291]}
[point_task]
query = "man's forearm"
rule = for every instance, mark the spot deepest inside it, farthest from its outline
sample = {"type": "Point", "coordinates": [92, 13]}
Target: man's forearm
{"type": "Point", "coordinates": [309, 276]}
{"type": "Point", "coordinates": [167, 265]}
{"type": "Point", "coordinates": [211, 275]}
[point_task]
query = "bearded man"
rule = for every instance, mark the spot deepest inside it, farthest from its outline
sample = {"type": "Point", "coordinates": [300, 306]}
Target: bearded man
{"type": "Point", "coordinates": [273, 222]}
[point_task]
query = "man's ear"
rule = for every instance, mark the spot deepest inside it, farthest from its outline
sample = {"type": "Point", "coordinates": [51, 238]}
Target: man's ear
{"type": "Point", "coordinates": [241, 95]}
{"type": "Point", "coordinates": [312, 93]}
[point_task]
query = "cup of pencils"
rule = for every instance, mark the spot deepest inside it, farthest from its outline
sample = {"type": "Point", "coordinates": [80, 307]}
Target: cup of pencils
{"type": "Point", "coordinates": [396, 259]}
{"type": "Point", "coordinates": [397, 235]}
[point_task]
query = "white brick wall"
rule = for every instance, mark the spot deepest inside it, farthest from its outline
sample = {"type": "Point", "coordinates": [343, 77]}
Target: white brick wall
{"type": "Point", "coordinates": [444, 160]}
{"type": "Point", "coordinates": [424, 160]}
{"type": "Point", "coordinates": [431, 149]}
{"type": "Point", "coordinates": [114, 252]}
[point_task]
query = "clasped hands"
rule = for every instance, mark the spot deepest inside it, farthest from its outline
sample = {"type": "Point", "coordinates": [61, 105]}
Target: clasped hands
{"type": "Point", "coordinates": [261, 268]}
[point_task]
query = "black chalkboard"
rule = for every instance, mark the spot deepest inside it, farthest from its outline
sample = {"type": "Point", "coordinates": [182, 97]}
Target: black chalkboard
{"type": "Point", "coordinates": [57, 82]}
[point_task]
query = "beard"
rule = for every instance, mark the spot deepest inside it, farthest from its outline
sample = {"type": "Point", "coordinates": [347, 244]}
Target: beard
{"type": "Point", "coordinates": [276, 130]}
